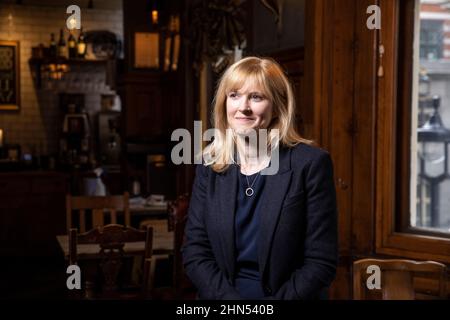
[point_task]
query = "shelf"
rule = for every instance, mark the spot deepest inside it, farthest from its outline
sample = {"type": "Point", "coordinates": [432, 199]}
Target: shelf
{"type": "Point", "coordinates": [37, 63]}
{"type": "Point", "coordinates": [41, 61]}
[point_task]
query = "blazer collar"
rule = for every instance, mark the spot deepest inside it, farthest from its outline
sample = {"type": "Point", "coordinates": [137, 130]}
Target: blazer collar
{"type": "Point", "coordinates": [274, 192]}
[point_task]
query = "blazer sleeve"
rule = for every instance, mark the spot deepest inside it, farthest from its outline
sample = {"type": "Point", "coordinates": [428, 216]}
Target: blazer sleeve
{"type": "Point", "coordinates": [321, 241]}
{"type": "Point", "coordinates": [198, 257]}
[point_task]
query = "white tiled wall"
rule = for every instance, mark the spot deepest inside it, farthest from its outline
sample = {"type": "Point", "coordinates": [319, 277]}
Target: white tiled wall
{"type": "Point", "coordinates": [37, 124]}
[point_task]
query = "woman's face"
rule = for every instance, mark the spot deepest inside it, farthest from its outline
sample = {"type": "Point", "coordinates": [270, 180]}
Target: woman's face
{"type": "Point", "coordinates": [248, 108]}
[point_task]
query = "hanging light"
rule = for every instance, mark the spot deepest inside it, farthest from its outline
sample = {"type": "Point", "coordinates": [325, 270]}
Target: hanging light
{"type": "Point", "coordinates": [152, 8]}
{"type": "Point", "coordinates": [154, 17]}
{"type": "Point", "coordinates": [72, 23]}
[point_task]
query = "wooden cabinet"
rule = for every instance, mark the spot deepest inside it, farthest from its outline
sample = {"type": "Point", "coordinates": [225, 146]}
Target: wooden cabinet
{"type": "Point", "coordinates": [153, 102]}
{"type": "Point", "coordinates": [32, 213]}
{"type": "Point", "coordinates": [144, 114]}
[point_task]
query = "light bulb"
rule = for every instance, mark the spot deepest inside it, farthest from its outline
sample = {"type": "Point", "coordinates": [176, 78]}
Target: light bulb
{"type": "Point", "coordinates": [73, 23]}
{"type": "Point", "coordinates": [155, 16]}
{"type": "Point", "coordinates": [432, 152]}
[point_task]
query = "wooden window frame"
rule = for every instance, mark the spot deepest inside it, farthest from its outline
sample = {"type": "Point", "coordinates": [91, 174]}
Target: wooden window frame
{"type": "Point", "coordinates": [393, 141]}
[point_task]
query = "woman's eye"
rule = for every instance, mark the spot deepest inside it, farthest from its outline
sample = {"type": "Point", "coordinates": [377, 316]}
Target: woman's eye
{"type": "Point", "coordinates": [256, 97]}
{"type": "Point", "coordinates": [233, 95]}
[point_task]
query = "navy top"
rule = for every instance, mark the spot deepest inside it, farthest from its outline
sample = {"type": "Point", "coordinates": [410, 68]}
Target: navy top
{"type": "Point", "coordinates": [246, 225]}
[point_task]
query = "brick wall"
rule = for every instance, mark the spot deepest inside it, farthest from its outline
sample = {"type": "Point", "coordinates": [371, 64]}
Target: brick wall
{"type": "Point", "coordinates": [37, 124]}
{"type": "Point", "coordinates": [436, 11]}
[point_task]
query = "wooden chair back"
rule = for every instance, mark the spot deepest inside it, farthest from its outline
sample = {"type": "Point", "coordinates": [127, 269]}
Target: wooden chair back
{"type": "Point", "coordinates": [181, 287]}
{"type": "Point", "coordinates": [98, 206]}
{"type": "Point", "coordinates": [111, 256]}
{"type": "Point", "coordinates": [397, 279]}
{"type": "Point", "coordinates": [178, 210]}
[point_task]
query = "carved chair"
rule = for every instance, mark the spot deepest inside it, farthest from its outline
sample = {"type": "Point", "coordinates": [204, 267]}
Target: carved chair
{"type": "Point", "coordinates": [399, 279]}
{"type": "Point", "coordinates": [117, 245]}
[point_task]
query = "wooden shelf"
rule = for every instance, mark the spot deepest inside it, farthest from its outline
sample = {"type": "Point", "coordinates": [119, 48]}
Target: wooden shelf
{"type": "Point", "coordinates": [37, 63]}
{"type": "Point", "coordinates": [41, 61]}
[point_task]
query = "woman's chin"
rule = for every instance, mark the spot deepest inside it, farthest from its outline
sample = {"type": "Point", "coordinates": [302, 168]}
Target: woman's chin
{"type": "Point", "coordinates": [244, 131]}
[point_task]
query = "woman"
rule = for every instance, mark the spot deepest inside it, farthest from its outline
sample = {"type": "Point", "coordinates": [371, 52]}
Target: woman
{"type": "Point", "coordinates": [256, 236]}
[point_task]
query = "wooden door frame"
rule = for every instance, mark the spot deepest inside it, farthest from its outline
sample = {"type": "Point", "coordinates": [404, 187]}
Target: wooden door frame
{"type": "Point", "coordinates": [340, 77]}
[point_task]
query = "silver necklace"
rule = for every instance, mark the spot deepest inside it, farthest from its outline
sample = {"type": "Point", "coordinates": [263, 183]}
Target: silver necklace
{"type": "Point", "coordinates": [249, 190]}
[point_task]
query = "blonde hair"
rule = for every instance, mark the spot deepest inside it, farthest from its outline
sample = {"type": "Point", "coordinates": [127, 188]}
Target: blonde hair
{"type": "Point", "coordinates": [269, 76]}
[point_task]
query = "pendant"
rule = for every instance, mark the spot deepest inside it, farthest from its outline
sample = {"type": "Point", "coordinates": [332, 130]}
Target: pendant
{"type": "Point", "coordinates": [249, 192]}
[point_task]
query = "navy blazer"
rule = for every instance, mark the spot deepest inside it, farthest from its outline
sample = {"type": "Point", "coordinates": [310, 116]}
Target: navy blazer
{"type": "Point", "coordinates": [297, 246]}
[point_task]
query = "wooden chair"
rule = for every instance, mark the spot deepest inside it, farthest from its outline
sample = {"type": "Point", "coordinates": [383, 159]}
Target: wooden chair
{"type": "Point", "coordinates": [98, 205]}
{"type": "Point", "coordinates": [399, 279]}
{"type": "Point", "coordinates": [111, 261]}
{"type": "Point", "coordinates": [177, 222]}
{"type": "Point", "coordinates": [181, 287]}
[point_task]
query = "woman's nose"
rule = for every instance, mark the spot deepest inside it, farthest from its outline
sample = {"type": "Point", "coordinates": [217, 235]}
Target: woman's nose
{"type": "Point", "coordinates": [244, 105]}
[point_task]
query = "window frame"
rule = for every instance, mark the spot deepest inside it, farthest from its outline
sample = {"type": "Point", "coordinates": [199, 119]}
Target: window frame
{"type": "Point", "coordinates": [392, 145]}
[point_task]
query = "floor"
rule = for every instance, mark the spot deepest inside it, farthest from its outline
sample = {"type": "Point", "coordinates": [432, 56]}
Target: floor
{"type": "Point", "coordinates": [33, 278]}
{"type": "Point", "coordinates": [45, 277]}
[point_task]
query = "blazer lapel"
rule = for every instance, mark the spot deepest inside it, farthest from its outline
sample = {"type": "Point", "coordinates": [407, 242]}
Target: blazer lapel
{"type": "Point", "coordinates": [226, 191]}
{"type": "Point", "coordinates": [274, 192]}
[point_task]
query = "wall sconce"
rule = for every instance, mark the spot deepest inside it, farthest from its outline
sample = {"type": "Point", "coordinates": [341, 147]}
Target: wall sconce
{"type": "Point", "coordinates": [155, 17]}
{"type": "Point", "coordinates": [153, 9]}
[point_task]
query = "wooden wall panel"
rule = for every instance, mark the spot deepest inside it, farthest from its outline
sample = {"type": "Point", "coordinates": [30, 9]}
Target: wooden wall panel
{"type": "Point", "coordinates": [340, 69]}
{"type": "Point", "coordinates": [365, 47]}
{"type": "Point", "coordinates": [312, 89]}
{"type": "Point", "coordinates": [330, 76]}
{"type": "Point", "coordinates": [339, 123]}
{"type": "Point", "coordinates": [32, 208]}
{"type": "Point", "coordinates": [292, 61]}
{"type": "Point", "coordinates": [145, 115]}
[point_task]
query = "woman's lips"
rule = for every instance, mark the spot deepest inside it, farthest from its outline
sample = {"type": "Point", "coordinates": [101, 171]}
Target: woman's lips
{"type": "Point", "coordinates": [244, 119]}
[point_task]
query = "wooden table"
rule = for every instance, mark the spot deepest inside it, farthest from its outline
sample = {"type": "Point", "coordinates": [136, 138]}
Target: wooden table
{"type": "Point", "coordinates": [148, 210]}
{"type": "Point", "coordinates": [163, 241]}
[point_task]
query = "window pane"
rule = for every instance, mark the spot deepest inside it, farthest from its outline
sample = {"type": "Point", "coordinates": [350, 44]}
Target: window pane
{"type": "Point", "coordinates": [430, 180]}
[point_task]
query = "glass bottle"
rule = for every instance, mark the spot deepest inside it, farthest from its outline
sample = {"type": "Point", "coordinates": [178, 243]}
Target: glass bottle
{"type": "Point", "coordinates": [53, 50]}
{"type": "Point", "coordinates": [81, 45]}
{"type": "Point", "coordinates": [62, 49]}
{"type": "Point", "coordinates": [72, 46]}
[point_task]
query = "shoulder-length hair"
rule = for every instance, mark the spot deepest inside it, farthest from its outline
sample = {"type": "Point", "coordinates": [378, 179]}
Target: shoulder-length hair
{"type": "Point", "coordinates": [269, 76]}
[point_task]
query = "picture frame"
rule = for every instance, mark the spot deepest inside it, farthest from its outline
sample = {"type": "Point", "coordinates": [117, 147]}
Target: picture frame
{"type": "Point", "coordinates": [9, 75]}
{"type": "Point", "coordinates": [146, 50]}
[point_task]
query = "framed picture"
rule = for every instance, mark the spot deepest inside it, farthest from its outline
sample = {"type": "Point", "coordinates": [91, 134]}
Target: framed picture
{"type": "Point", "coordinates": [146, 50]}
{"type": "Point", "coordinates": [9, 75]}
